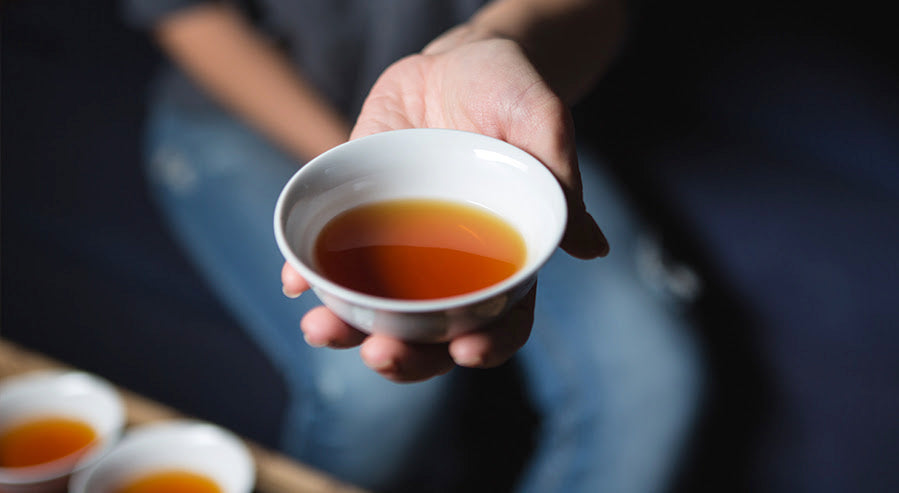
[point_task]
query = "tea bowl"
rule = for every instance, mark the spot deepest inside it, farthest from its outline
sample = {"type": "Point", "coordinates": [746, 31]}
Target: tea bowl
{"type": "Point", "coordinates": [431, 164]}
{"type": "Point", "coordinates": [175, 445]}
{"type": "Point", "coordinates": [75, 395]}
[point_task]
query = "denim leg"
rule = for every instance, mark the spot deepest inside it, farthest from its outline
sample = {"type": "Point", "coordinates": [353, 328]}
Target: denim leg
{"type": "Point", "coordinates": [217, 183]}
{"type": "Point", "coordinates": [611, 365]}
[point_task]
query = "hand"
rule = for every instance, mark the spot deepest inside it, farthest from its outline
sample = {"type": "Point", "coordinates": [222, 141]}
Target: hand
{"type": "Point", "coordinates": [486, 86]}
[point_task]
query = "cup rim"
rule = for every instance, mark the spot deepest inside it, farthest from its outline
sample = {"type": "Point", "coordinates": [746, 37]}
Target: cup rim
{"type": "Point", "coordinates": [180, 429]}
{"type": "Point", "coordinates": [317, 281]}
{"type": "Point", "coordinates": [69, 463]}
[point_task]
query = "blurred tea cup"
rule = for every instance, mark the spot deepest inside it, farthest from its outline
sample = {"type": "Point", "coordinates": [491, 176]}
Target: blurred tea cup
{"type": "Point", "coordinates": [169, 452]}
{"type": "Point", "coordinates": [53, 423]}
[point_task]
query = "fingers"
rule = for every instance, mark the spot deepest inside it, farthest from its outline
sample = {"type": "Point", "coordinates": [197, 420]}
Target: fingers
{"type": "Point", "coordinates": [321, 328]}
{"type": "Point", "coordinates": [487, 348]}
{"type": "Point", "coordinates": [404, 362]}
{"type": "Point", "coordinates": [393, 359]}
{"type": "Point", "coordinates": [410, 362]}
{"type": "Point", "coordinates": [292, 284]}
{"type": "Point", "coordinates": [583, 238]}
{"type": "Point", "coordinates": [499, 341]}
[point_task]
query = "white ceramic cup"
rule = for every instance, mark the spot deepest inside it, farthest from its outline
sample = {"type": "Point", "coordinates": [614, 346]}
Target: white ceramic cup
{"type": "Point", "coordinates": [426, 164]}
{"type": "Point", "coordinates": [69, 394]}
{"type": "Point", "coordinates": [184, 445]}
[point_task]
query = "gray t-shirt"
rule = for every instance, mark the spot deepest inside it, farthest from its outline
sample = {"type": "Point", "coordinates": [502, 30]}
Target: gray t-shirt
{"type": "Point", "coordinates": [340, 46]}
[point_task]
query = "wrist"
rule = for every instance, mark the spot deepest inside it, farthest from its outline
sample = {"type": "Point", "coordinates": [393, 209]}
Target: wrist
{"type": "Point", "coordinates": [468, 32]}
{"type": "Point", "coordinates": [570, 42]}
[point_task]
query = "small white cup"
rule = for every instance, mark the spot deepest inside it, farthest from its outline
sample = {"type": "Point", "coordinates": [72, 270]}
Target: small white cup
{"type": "Point", "coordinates": [425, 164]}
{"type": "Point", "coordinates": [70, 394]}
{"type": "Point", "coordinates": [184, 445]}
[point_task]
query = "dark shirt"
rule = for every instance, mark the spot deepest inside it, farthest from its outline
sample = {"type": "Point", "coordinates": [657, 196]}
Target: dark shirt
{"type": "Point", "coordinates": [340, 46]}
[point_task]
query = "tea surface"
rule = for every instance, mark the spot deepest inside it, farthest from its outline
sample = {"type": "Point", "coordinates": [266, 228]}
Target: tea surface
{"type": "Point", "coordinates": [44, 440]}
{"type": "Point", "coordinates": [418, 249]}
{"type": "Point", "coordinates": [173, 481]}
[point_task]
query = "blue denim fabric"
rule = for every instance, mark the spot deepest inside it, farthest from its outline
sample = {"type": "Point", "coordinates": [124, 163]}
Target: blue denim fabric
{"type": "Point", "coordinates": [613, 368]}
{"type": "Point", "coordinates": [217, 184]}
{"type": "Point", "coordinates": [610, 366]}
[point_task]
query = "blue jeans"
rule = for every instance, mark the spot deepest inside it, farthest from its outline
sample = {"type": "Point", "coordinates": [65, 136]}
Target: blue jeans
{"type": "Point", "coordinates": [610, 367]}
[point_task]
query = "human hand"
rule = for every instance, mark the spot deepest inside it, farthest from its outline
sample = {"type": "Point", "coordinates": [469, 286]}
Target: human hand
{"type": "Point", "coordinates": [486, 86]}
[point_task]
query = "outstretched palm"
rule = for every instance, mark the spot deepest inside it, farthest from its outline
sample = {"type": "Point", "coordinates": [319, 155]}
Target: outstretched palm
{"type": "Point", "coordinates": [488, 87]}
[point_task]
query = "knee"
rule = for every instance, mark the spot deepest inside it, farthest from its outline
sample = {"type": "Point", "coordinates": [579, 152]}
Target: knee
{"type": "Point", "coordinates": [353, 423]}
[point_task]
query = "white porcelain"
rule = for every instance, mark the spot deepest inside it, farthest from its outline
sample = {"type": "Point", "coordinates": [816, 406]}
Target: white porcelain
{"type": "Point", "coordinates": [189, 445]}
{"type": "Point", "coordinates": [71, 394]}
{"type": "Point", "coordinates": [422, 163]}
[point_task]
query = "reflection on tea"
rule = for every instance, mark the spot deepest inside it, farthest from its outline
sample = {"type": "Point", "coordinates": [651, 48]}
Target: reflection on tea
{"type": "Point", "coordinates": [418, 249]}
{"type": "Point", "coordinates": [44, 440]}
{"type": "Point", "coordinates": [171, 481]}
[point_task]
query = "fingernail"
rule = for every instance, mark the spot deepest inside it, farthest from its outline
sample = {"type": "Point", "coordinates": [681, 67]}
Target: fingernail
{"type": "Point", "coordinates": [593, 238]}
{"type": "Point", "coordinates": [312, 342]}
{"type": "Point", "coordinates": [601, 242]}
{"type": "Point", "coordinates": [289, 294]}
{"type": "Point", "coordinates": [469, 360]}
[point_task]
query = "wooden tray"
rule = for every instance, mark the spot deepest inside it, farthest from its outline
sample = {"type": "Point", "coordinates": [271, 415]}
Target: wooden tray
{"type": "Point", "coordinates": [275, 473]}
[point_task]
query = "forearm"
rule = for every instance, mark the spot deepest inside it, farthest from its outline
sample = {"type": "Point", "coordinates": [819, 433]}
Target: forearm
{"type": "Point", "coordinates": [241, 70]}
{"type": "Point", "coordinates": [571, 42]}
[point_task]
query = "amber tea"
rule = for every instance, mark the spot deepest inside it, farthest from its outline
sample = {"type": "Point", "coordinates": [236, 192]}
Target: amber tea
{"type": "Point", "coordinates": [43, 440]}
{"type": "Point", "coordinates": [174, 481]}
{"type": "Point", "coordinates": [418, 249]}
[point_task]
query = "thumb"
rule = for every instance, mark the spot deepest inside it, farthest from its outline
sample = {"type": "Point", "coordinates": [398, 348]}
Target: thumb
{"type": "Point", "coordinates": [583, 238]}
{"type": "Point", "coordinates": [551, 140]}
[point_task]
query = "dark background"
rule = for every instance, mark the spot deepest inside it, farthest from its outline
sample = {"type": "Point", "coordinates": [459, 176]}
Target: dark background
{"type": "Point", "coordinates": [90, 275]}
{"type": "Point", "coordinates": [760, 138]}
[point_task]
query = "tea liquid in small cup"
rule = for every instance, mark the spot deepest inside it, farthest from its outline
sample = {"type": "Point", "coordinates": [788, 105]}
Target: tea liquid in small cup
{"type": "Point", "coordinates": [43, 440]}
{"type": "Point", "coordinates": [171, 456]}
{"type": "Point", "coordinates": [418, 249]}
{"type": "Point", "coordinates": [170, 481]}
{"type": "Point", "coordinates": [54, 422]}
